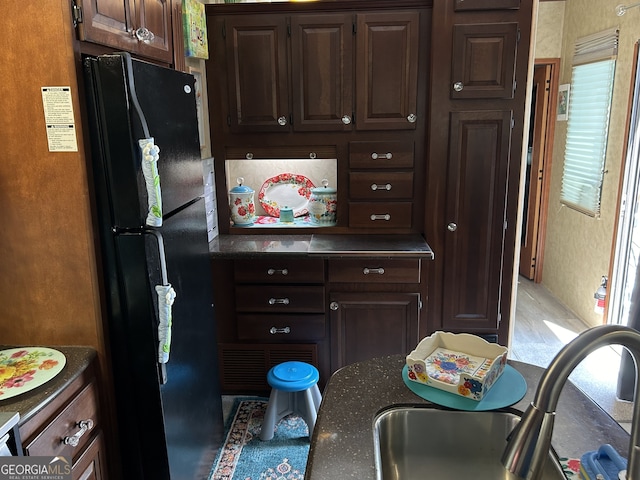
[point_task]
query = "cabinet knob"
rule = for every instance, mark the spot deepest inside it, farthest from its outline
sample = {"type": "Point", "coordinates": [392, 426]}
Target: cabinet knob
{"type": "Point", "coordinates": [144, 34]}
{"type": "Point", "coordinates": [458, 86]}
{"type": "Point", "coordinates": [74, 440]}
{"type": "Point", "coordinates": [452, 227]}
{"type": "Point", "coordinates": [282, 120]}
{"type": "Point", "coordinates": [375, 186]}
{"type": "Point", "coordinates": [387, 156]}
{"type": "Point", "coordinates": [346, 119]}
{"type": "Point", "coordinates": [412, 117]}
{"type": "Point", "coordinates": [385, 216]}
{"type": "Point", "coordinates": [334, 306]}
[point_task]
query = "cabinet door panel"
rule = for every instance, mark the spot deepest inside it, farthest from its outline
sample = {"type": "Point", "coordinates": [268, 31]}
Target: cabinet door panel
{"type": "Point", "coordinates": [476, 203]}
{"type": "Point", "coordinates": [322, 56]}
{"type": "Point", "coordinates": [484, 60]}
{"type": "Point", "coordinates": [368, 325]}
{"type": "Point", "coordinates": [155, 16]}
{"type": "Point", "coordinates": [386, 70]}
{"type": "Point", "coordinates": [107, 22]}
{"type": "Point", "coordinates": [256, 50]}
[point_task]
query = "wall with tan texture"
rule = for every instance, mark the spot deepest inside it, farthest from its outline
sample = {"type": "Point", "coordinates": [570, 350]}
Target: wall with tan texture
{"type": "Point", "coordinates": [549, 30]}
{"type": "Point", "coordinates": [578, 247]}
{"type": "Point", "coordinates": [48, 281]}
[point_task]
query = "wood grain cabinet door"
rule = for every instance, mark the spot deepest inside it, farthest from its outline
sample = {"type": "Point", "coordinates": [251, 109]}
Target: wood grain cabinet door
{"type": "Point", "coordinates": [387, 70]}
{"type": "Point", "coordinates": [466, 5]}
{"type": "Point", "coordinates": [476, 205]}
{"type": "Point", "coordinates": [153, 29]}
{"type": "Point", "coordinates": [322, 69]}
{"type": "Point", "coordinates": [256, 50]}
{"type": "Point", "coordinates": [107, 22]}
{"type": "Point", "coordinates": [369, 325]}
{"type": "Point", "coordinates": [484, 60]}
{"type": "Point", "coordinates": [142, 27]}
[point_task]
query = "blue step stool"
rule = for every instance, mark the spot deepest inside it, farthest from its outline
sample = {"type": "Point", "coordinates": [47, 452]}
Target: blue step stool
{"type": "Point", "coordinates": [294, 389]}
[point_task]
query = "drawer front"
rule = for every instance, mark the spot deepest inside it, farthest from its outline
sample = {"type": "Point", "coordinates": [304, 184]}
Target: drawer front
{"type": "Point", "coordinates": [281, 328]}
{"type": "Point", "coordinates": [66, 425]}
{"type": "Point", "coordinates": [279, 298]}
{"type": "Point", "coordinates": [380, 154]}
{"type": "Point", "coordinates": [380, 215]}
{"type": "Point", "coordinates": [279, 270]}
{"type": "Point", "coordinates": [381, 185]}
{"type": "Point", "coordinates": [374, 270]}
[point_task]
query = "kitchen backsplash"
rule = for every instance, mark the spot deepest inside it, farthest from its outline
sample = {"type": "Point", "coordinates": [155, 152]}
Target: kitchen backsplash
{"type": "Point", "coordinates": [256, 171]}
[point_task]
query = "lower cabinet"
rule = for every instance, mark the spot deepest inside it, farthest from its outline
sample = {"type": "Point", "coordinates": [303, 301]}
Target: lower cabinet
{"type": "Point", "coordinates": [70, 426]}
{"type": "Point", "coordinates": [326, 312]}
{"type": "Point", "coordinates": [367, 325]}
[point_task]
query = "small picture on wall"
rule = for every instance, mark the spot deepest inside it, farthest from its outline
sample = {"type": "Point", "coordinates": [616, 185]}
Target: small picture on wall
{"type": "Point", "coordinates": [563, 101]}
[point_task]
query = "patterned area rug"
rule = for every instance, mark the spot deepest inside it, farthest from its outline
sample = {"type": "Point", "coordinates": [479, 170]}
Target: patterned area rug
{"type": "Point", "coordinates": [245, 457]}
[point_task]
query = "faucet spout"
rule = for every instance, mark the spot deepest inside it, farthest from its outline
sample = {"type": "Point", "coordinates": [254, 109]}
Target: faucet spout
{"type": "Point", "coordinates": [529, 443]}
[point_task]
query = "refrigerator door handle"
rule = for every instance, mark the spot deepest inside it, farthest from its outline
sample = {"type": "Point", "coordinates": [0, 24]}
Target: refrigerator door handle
{"type": "Point", "coordinates": [166, 297]}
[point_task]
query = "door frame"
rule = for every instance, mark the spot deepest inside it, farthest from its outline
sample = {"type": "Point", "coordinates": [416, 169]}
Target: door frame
{"type": "Point", "coordinates": [547, 145]}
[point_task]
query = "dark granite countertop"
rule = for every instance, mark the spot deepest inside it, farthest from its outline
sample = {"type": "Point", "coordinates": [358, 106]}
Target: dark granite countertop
{"type": "Point", "coordinates": [342, 441]}
{"type": "Point", "coordinates": [29, 403]}
{"type": "Point", "coordinates": [323, 246]}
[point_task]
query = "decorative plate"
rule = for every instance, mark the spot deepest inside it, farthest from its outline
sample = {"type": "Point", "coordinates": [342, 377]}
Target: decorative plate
{"type": "Point", "coordinates": [286, 190]}
{"type": "Point", "coordinates": [509, 388]}
{"type": "Point", "coordinates": [23, 369]}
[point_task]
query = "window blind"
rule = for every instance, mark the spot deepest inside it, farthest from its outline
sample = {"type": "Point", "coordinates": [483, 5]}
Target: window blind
{"type": "Point", "coordinates": [588, 121]}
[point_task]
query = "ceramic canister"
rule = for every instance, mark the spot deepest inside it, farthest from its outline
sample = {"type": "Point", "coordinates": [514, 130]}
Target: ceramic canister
{"type": "Point", "coordinates": [241, 204]}
{"type": "Point", "coordinates": [323, 205]}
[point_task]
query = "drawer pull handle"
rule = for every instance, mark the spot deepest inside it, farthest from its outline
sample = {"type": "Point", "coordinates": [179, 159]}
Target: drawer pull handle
{"type": "Point", "coordinates": [387, 156]}
{"type": "Point", "coordinates": [273, 271]}
{"type": "Point", "coordinates": [376, 186]}
{"type": "Point", "coordinates": [375, 217]}
{"type": "Point", "coordinates": [367, 271]}
{"type": "Point", "coordinates": [274, 330]}
{"type": "Point", "coordinates": [74, 440]}
{"type": "Point", "coordinates": [280, 301]}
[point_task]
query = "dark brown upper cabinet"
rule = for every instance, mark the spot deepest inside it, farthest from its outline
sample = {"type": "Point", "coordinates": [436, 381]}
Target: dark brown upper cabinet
{"type": "Point", "coordinates": [348, 71]}
{"type": "Point", "coordinates": [322, 71]}
{"type": "Point", "coordinates": [142, 27]}
{"type": "Point", "coordinates": [387, 70]}
{"type": "Point", "coordinates": [256, 48]}
{"type": "Point", "coordinates": [484, 60]}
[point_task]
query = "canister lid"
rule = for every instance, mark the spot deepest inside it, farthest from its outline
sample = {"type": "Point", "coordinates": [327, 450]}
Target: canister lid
{"type": "Point", "coordinates": [241, 188]}
{"type": "Point", "coordinates": [324, 189]}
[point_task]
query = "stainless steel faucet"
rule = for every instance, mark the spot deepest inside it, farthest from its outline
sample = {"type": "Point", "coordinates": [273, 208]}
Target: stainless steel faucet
{"type": "Point", "coordinates": [528, 445]}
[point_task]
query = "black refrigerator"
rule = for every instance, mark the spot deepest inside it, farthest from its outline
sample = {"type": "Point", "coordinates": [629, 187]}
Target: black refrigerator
{"type": "Point", "coordinates": [150, 214]}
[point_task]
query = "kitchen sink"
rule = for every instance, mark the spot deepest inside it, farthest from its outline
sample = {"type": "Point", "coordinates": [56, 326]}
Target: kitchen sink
{"type": "Point", "coordinates": [421, 442]}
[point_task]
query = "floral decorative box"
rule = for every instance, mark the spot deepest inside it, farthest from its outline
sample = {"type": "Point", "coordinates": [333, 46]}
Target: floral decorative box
{"type": "Point", "coordinates": [459, 363]}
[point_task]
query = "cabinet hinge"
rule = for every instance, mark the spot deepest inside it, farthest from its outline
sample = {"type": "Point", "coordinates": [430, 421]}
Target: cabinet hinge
{"type": "Point", "coordinates": [513, 123]}
{"type": "Point", "coordinates": [288, 30]}
{"type": "Point", "coordinates": [518, 37]}
{"type": "Point", "coordinates": [504, 225]}
{"type": "Point", "coordinates": [354, 28]}
{"type": "Point", "coordinates": [76, 13]}
{"type": "Point", "coordinates": [228, 120]}
{"type": "Point", "coordinates": [499, 318]}
{"type": "Point", "coordinates": [419, 304]}
{"type": "Point", "coordinates": [224, 30]}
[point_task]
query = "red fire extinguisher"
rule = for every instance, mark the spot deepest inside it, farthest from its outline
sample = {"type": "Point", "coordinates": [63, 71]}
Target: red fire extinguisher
{"type": "Point", "coordinates": [600, 296]}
